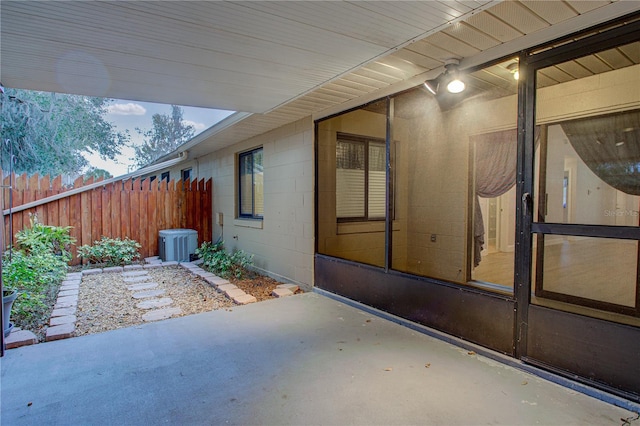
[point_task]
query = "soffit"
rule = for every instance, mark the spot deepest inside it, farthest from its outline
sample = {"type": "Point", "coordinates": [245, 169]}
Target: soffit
{"type": "Point", "coordinates": [487, 34]}
{"type": "Point", "coordinates": [235, 55]}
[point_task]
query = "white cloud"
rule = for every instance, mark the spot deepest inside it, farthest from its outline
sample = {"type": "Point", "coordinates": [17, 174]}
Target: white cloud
{"type": "Point", "coordinates": [198, 127]}
{"type": "Point", "coordinates": [126, 109]}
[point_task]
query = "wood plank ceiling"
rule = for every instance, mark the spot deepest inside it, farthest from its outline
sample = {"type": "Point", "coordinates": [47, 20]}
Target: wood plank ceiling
{"type": "Point", "coordinates": [236, 55]}
{"type": "Point", "coordinates": [283, 60]}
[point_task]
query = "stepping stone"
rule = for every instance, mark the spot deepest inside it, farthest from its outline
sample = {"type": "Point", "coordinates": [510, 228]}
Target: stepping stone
{"type": "Point", "coordinates": [58, 332]}
{"type": "Point", "coordinates": [74, 276]}
{"type": "Point", "coordinates": [145, 286]}
{"type": "Point", "coordinates": [67, 287]}
{"type": "Point", "coordinates": [132, 267]}
{"type": "Point", "coordinates": [59, 305]}
{"type": "Point", "coordinates": [134, 274]}
{"type": "Point", "coordinates": [281, 292]}
{"type": "Point", "coordinates": [113, 269]}
{"type": "Point", "coordinates": [291, 287]}
{"type": "Point", "coordinates": [151, 259]}
{"type": "Point", "coordinates": [234, 292]}
{"type": "Point", "coordinates": [152, 265]}
{"type": "Point", "coordinates": [137, 279]}
{"type": "Point", "coordinates": [61, 312]}
{"type": "Point", "coordinates": [170, 263]}
{"type": "Point", "coordinates": [198, 262]}
{"type": "Point", "coordinates": [245, 299]}
{"type": "Point", "coordinates": [155, 303]}
{"type": "Point", "coordinates": [70, 282]}
{"type": "Point", "coordinates": [160, 314]}
{"type": "Point", "coordinates": [62, 299]}
{"type": "Point", "coordinates": [20, 338]}
{"type": "Point", "coordinates": [225, 287]}
{"type": "Point", "coordinates": [187, 265]}
{"type": "Point", "coordinates": [68, 293]}
{"type": "Point", "coordinates": [149, 293]}
{"type": "Point", "coordinates": [216, 281]}
{"type": "Point", "coordinates": [91, 272]}
{"type": "Point", "coordinates": [62, 320]}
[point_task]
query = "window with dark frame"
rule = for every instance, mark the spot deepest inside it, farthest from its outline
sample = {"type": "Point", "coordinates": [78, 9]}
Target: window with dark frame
{"type": "Point", "coordinates": [360, 178]}
{"type": "Point", "coordinates": [165, 176]}
{"type": "Point", "coordinates": [251, 184]}
{"type": "Point", "coordinates": [186, 174]}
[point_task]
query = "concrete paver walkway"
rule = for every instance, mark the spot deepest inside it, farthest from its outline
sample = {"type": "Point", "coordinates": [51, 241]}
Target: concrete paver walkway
{"type": "Point", "coordinates": [305, 359]}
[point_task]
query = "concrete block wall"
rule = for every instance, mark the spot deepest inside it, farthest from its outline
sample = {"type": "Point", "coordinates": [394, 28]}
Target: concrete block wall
{"type": "Point", "coordinates": [283, 242]}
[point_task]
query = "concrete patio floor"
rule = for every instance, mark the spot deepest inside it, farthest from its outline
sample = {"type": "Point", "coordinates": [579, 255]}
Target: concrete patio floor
{"type": "Point", "coordinates": [305, 359]}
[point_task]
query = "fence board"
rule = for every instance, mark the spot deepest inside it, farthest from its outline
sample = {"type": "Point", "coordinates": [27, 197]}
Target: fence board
{"type": "Point", "coordinates": [137, 209]}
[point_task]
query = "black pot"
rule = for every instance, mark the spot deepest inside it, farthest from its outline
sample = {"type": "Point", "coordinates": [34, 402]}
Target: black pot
{"type": "Point", "coordinates": [8, 297]}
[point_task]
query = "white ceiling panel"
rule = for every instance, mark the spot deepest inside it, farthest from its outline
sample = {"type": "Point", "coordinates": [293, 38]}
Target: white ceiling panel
{"type": "Point", "coordinates": [237, 55]}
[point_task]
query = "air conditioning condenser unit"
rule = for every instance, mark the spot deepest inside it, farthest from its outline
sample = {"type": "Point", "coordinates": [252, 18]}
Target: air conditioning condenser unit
{"type": "Point", "coordinates": [177, 244]}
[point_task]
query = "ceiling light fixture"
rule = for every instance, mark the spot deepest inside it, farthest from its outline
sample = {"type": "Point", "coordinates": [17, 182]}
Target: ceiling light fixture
{"type": "Point", "coordinates": [450, 79]}
{"type": "Point", "coordinates": [455, 85]}
{"type": "Point", "coordinates": [514, 70]}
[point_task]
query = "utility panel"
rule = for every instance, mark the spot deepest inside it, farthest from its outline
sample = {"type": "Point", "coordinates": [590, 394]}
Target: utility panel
{"type": "Point", "coordinates": [177, 244]}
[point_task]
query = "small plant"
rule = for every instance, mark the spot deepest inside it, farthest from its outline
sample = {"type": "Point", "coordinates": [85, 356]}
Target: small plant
{"type": "Point", "coordinates": [52, 238]}
{"type": "Point", "coordinates": [216, 259]}
{"type": "Point", "coordinates": [36, 277]}
{"type": "Point", "coordinates": [111, 251]}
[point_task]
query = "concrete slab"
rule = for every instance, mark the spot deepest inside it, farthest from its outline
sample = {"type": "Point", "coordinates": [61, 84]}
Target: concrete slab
{"type": "Point", "coordinates": [281, 292]}
{"type": "Point", "coordinates": [61, 312]}
{"type": "Point", "coordinates": [144, 286]}
{"type": "Point", "coordinates": [19, 338]}
{"type": "Point", "coordinates": [234, 292]}
{"type": "Point", "coordinates": [91, 271]}
{"type": "Point", "coordinates": [216, 281]}
{"type": "Point", "coordinates": [245, 299]}
{"type": "Point", "coordinates": [132, 267]}
{"type": "Point", "coordinates": [152, 258]}
{"type": "Point", "coordinates": [160, 314]}
{"type": "Point", "coordinates": [296, 360]}
{"type": "Point", "coordinates": [225, 287]}
{"type": "Point", "coordinates": [62, 331]}
{"type": "Point", "coordinates": [66, 319]}
{"type": "Point", "coordinates": [70, 282]}
{"type": "Point", "coordinates": [137, 279]}
{"type": "Point", "coordinates": [65, 292]}
{"type": "Point", "coordinates": [155, 303]}
{"type": "Point", "coordinates": [130, 274]}
{"type": "Point", "coordinates": [291, 287]}
{"type": "Point", "coordinates": [69, 287]}
{"type": "Point", "coordinates": [65, 304]}
{"type": "Point", "coordinates": [113, 269]}
{"type": "Point", "coordinates": [170, 263]}
{"type": "Point", "coordinates": [153, 265]}
{"type": "Point", "coordinates": [73, 276]}
{"type": "Point", "coordinates": [148, 293]}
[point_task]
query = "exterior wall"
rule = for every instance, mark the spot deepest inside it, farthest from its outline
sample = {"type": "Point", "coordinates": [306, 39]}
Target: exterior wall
{"type": "Point", "coordinates": [283, 242]}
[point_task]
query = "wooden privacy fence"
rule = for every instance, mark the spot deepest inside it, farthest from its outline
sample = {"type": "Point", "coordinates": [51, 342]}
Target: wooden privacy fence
{"type": "Point", "coordinates": [134, 208]}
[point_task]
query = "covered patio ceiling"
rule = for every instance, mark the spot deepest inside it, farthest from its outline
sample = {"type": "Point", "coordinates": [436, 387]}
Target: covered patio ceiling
{"type": "Point", "coordinates": [276, 62]}
{"type": "Point", "coordinates": [238, 55]}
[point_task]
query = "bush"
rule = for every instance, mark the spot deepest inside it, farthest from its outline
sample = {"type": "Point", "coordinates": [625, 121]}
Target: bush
{"type": "Point", "coordinates": [55, 239]}
{"type": "Point", "coordinates": [111, 251]}
{"type": "Point", "coordinates": [216, 259]}
{"type": "Point", "coordinates": [36, 276]}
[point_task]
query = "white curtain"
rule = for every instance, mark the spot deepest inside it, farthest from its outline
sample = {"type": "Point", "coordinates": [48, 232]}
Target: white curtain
{"type": "Point", "coordinates": [495, 174]}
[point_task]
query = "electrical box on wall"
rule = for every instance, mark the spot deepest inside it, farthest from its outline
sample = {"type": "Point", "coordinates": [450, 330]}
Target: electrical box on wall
{"type": "Point", "coordinates": [177, 244]}
{"type": "Point", "coordinates": [220, 219]}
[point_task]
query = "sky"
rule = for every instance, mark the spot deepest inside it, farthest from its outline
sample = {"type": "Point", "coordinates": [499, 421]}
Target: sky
{"type": "Point", "coordinates": [124, 114]}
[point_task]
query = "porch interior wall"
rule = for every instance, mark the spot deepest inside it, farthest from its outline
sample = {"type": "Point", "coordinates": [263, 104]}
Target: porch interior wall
{"type": "Point", "coordinates": [283, 242]}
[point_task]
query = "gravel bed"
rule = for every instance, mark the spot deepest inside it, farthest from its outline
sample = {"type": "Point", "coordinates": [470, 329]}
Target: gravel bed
{"type": "Point", "coordinates": [105, 303]}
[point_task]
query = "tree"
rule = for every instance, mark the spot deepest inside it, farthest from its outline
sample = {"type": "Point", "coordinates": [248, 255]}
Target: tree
{"type": "Point", "coordinates": [47, 133]}
{"type": "Point", "coordinates": [168, 133]}
{"type": "Point", "coordinates": [97, 173]}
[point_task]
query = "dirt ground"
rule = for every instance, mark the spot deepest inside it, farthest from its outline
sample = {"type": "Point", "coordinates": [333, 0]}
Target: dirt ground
{"type": "Point", "coordinates": [105, 303]}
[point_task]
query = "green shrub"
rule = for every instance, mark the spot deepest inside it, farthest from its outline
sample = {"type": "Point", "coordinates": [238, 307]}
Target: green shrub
{"type": "Point", "coordinates": [111, 251]}
{"type": "Point", "coordinates": [55, 239]}
{"type": "Point", "coordinates": [36, 276]}
{"type": "Point", "coordinates": [217, 260]}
